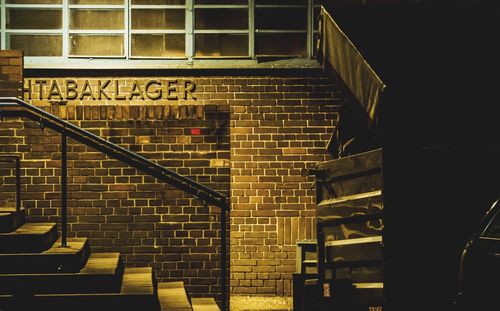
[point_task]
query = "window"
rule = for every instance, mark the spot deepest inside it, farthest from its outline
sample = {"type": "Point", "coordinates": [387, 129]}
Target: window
{"type": "Point", "coordinates": [281, 27]}
{"type": "Point", "coordinates": [155, 31]}
{"type": "Point", "coordinates": [221, 28]}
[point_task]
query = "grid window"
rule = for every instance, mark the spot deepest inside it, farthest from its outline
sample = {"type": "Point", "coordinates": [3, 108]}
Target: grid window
{"type": "Point", "coordinates": [281, 27]}
{"type": "Point", "coordinates": [158, 29]}
{"type": "Point", "coordinates": [97, 28]}
{"type": "Point", "coordinates": [33, 19]}
{"type": "Point", "coordinates": [221, 28]}
{"type": "Point", "coordinates": [73, 31]}
{"type": "Point", "coordinates": [37, 45]}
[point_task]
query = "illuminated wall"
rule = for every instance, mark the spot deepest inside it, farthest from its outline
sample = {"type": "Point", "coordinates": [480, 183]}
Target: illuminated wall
{"type": "Point", "coordinates": [248, 136]}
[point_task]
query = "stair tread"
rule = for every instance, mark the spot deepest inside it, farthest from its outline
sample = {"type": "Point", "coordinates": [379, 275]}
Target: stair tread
{"type": "Point", "coordinates": [138, 281]}
{"type": "Point", "coordinates": [172, 296]}
{"type": "Point", "coordinates": [31, 229]}
{"type": "Point", "coordinates": [104, 271]}
{"type": "Point", "coordinates": [29, 238]}
{"type": "Point", "coordinates": [7, 209]}
{"type": "Point", "coordinates": [96, 264]}
{"type": "Point", "coordinates": [10, 219]}
{"type": "Point", "coordinates": [377, 285]}
{"type": "Point", "coordinates": [134, 283]}
{"type": "Point", "coordinates": [371, 239]}
{"type": "Point", "coordinates": [351, 197]}
{"type": "Point", "coordinates": [72, 258]}
{"type": "Point", "coordinates": [204, 304]}
{"type": "Point", "coordinates": [73, 245]}
{"type": "Point", "coordinates": [101, 263]}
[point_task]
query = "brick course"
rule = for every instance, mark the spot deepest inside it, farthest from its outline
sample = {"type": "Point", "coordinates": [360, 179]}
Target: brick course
{"type": "Point", "coordinates": [257, 134]}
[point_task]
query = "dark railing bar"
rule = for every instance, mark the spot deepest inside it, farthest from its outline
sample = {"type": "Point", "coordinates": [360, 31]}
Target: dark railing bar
{"type": "Point", "coordinates": [64, 183]}
{"type": "Point", "coordinates": [18, 184]}
{"type": "Point", "coordinates": [223, 268]}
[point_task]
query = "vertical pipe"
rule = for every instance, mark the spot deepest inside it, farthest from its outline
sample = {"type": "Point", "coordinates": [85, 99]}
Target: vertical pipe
{"type": "Point", "coordinates": [64, 172]}
{"type": "Point", "coordinates": [18, 185]}
{"type": "Point", "coordinates": [223, 259]}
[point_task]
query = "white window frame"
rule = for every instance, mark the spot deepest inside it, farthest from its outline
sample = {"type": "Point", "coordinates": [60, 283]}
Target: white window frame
{"type": "Point", "coordinates": [129, 61]}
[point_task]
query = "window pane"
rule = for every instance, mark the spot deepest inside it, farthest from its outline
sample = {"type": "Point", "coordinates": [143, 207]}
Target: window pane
{"type": "Point", "coordinates": [221, 19]}
{"type": "Point", "coordinates": [96, 45]}
{"type": "Point", "coordinates": [96, 1]}
{"type": "Point", "coordinates": [216, 45]}
{"type": "Point", "coordinates": [282, 2]}
{"type": "Point", "coordinates": [160, 2]}
{"type": "Point", "coordinates": [158, 19]}
{"type": "Point", "coordinates": [280, 44]}
{"type": "Point", "coordinates": [37, 45]}
{"type": "Point", "coordinates": [33, 1]}
{"type": "Point", "coordinates": [283, 18]}
{"type": "Point", "coordinates": [34, 19]}
{"type": "Point", "coordinates": [220, 2]}
{"type": "Point", "coordinates": [96, 19]}
{"type": "Point", "coordinates": [161, 45]}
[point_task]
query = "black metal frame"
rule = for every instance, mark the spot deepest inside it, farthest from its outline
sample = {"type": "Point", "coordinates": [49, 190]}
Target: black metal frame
{"type": "Point", "coordinates": [15, 107]}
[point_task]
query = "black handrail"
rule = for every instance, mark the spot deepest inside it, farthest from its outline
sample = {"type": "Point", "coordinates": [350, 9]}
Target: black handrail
{"type": "Point", "coordinates": [15, 107]}
{"type": "Point", "coordinates": [8, 107]}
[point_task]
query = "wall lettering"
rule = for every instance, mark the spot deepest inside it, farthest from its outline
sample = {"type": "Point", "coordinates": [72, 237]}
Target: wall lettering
{"type": "Point", "coordinates": [111, 89]}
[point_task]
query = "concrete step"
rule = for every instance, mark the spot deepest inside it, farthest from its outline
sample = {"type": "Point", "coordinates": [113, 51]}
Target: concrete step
{"type": "Point", "coordinates": [204, 304]}
{"type": "Point", "coordinates": [10, 219]}
{"type": "Point", "coordinates": [55, 259]}
{"type": "Point", "coordinates": [29, 238]}
{"type": "Point", "coordinates": [173, 297]}
{"type": "Point", "coordinates": [138, 292]}
{"type": "Point", "coordinates": [102, 273]}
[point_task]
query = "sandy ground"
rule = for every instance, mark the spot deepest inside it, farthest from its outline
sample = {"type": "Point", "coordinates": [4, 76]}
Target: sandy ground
{"type": "Point", "coordinates": [247, 303]}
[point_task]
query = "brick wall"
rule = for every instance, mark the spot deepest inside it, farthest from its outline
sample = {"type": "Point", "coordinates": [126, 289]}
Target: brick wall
{"type": "Point", "coordinates": [117, 207]}
{"type": "Point", "coordinates": [279, 124]}
{"type": "Point", "coordinates": [11, 84]}
{"type": "Point", "coordinates": [11, 73]}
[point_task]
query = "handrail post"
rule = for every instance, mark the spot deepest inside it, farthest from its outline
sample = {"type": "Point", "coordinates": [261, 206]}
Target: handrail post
{"type": "Point", "coordinates": [223, 259]}
{"type": "Point", "coordinates": [18, 184]}
{"type": "Point", "coordinates": [64, 174]}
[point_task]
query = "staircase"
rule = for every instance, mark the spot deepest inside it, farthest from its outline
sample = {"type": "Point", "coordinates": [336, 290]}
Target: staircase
{"type": "Point", "coordinates": [36, 272]}
{"type": "Point", "coordinates": [40, 270]}
{"type": "Point", "coordinates": [349, 246]}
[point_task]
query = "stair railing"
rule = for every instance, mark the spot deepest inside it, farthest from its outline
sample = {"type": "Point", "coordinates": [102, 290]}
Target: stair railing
{"type": "Point", "coordinates": [15, 107]}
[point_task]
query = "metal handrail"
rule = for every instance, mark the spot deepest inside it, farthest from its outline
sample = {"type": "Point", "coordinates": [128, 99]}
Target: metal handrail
{"type": "Point", "coordinates": [15, 107]}
{"type": "Point", "coordinates": [9, 104]}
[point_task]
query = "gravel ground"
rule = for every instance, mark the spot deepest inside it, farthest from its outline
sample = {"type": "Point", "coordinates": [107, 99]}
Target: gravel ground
{"type": "Point", "coordinates": [256, 303]}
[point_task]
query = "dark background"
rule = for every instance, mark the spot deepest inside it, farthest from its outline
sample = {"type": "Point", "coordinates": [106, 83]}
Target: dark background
{"type": "Point", "coordinates": [440, 133]}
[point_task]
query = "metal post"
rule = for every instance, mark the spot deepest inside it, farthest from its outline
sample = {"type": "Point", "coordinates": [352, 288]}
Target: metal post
{"type": "Point", "coordinates": [18, 184]}
{"type": "Point", "coordinates": [64, 174]}
{"type": "Point", "coordinates": [223, 259]}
